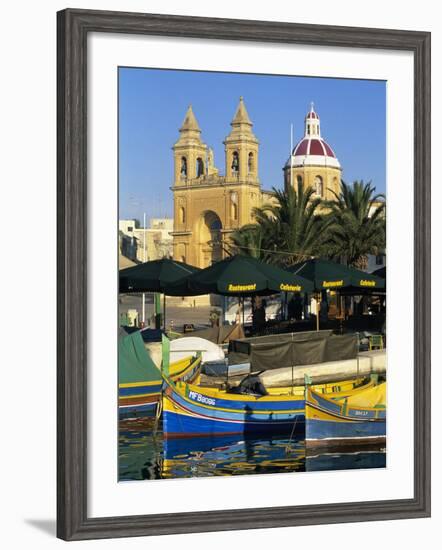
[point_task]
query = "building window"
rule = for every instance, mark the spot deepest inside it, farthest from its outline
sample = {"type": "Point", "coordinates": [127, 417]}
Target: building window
{"type": "Point", "coordinates": [130, 229]}
{"type": "Point", "coordinates": [199, 167]}
{"type": "Point", "coordinates": [183, 170]}
{"type": "Point", "coordinates": [380, 259]}
{"type": "Point", "coordinates": [251, 163]}
{"type": "Point", "coordinates": [299, 181]}
{"type": "Point", "coordinates": [235, 162]}
{"type": "Point", "coordinates": [319, 187]}
{"type": "Point", "coordinates": [234, 206]}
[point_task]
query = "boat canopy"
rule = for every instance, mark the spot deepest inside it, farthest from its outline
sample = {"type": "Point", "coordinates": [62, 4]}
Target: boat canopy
{"type": "Point", "coordinates": [134, 361]}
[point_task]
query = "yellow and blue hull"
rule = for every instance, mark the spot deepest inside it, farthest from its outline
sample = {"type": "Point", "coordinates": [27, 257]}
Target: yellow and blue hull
{"type": "Point", "coordinates": [190, 411]}
{"type": "Point", "coordinates": [140, 399]}
{"type": "Point", "coordinates": [334, 422]}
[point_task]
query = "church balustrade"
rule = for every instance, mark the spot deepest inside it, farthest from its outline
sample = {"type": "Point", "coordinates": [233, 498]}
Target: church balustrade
{"type": "Point", "coordinates": [215, 179]}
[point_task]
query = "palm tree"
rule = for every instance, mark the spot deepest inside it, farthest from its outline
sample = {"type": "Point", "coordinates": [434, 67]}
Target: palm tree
{"type": "Point", "coordinates": [356, 225]}
{"type": "Point", "coordinates": [301, 225]}
{"type": "Point", "coordinates": [286, 231]}
{"type": "Point", "coordinates": [248, 240]}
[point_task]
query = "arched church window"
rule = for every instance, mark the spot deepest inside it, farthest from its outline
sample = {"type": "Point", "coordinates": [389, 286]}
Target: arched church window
{"type": "Point", "coordinates": [182, 215]}
{"type": "Point", "coordinates": [234, 206]}
{"type": "Point", "coordinates": [183, 170]}
{"type": "Point", "coordinates": [235, 162]}
{"type": "Point", "coordinates": [199, 167]}
{"type": "Point", "coordinates": [319, 187]}
{"type": "Point", "coordinates": [251, 163]}
{"type": "Point", "coordinates": [299, 181]}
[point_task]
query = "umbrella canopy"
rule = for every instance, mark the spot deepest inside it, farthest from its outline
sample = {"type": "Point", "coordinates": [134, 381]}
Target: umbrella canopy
{"type": "Point", "coordinates": [154, 276]}
{"type": "Point", "coordinates": [240, 276]}
{"type": "Point", "coordinates": [381, 272]}
{"type": "Point", "coordinates": [327, 275]}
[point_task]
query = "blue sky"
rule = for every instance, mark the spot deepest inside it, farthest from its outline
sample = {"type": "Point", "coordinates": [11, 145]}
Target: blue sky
{"type": "Point", "coordinates": [152, 105]}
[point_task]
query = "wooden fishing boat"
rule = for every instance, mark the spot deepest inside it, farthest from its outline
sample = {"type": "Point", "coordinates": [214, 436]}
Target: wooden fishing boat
{"type": "Point", "coordinates": [137, 399]}
{"type": "Point", "coordinates": [190, 411]}
{"type": "Point", "coordinates": [355, 419]}
{"type": "Point", "coordinates": [140, 379]}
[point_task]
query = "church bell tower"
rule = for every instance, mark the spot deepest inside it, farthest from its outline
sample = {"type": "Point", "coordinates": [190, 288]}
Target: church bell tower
{"type": "Point", "coordinates": [241, 148]}
{"type": "Point", "coordinates": [189, 151]}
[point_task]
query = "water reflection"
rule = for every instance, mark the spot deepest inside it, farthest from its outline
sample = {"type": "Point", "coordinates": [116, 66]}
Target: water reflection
{"type": "Point", "coordinates": [346, 461]}
{"type": "Point", "coordinates": [143, 454]}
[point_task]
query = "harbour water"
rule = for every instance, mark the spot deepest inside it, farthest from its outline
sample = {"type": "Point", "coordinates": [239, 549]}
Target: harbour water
{"type": "Point", "coordinates": [144, 454]}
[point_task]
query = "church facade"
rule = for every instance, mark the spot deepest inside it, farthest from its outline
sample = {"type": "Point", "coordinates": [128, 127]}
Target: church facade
{"type": "Point", "coordinates": [209, 206]}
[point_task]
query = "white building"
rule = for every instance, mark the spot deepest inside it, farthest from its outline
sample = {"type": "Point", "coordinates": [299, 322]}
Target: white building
{"type": "Point", "coordinates": [152, 243]}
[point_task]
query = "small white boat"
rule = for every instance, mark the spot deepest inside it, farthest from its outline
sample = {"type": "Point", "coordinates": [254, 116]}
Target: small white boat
{"type": "Point", "coordinates": [190, 345]}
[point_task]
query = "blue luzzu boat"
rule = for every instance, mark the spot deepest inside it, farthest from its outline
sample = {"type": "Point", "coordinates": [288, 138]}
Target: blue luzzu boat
{"type": "Point", "coordinates": [356, 419]}
{"type": "Point", "coordinates": [192, 411]}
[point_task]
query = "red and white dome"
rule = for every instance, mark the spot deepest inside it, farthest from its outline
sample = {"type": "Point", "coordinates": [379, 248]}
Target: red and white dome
{"type": "Point", "coordinates": [312, 150]}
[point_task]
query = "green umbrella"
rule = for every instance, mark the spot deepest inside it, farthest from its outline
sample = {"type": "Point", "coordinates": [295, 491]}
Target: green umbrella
{"type": "Point", "coordinates": [154, 276]}
{"type": "Point", "coordinates": [381, 272]}
{"type": "Point", "coordinates": [327, 275]}
{"type": "Point", "coordinates": [240, 276]}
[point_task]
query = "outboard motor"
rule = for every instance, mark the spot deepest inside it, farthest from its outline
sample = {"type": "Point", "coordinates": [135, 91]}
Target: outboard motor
{"type": "Point", "coordinates": [251, 385]}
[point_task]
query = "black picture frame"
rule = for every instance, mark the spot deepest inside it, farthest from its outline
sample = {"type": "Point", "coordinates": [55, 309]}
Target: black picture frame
{"type": "Point", "coordinates": [73, 28]}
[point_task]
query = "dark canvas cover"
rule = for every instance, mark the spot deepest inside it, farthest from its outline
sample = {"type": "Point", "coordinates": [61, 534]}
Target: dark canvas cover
{"type": "Point", "coordinates": [341, 347]}
{"type": "Point", "coordinates": [312, 349]}
{"type": "Point", "coordinates": [245, 345]}
{"type": "Point", "coordinates": [269, 356]}
{"type": "Point", "coordinates": [309, 352]}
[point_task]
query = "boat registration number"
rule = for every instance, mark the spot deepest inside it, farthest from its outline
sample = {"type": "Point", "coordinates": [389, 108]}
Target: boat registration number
{"type": "Point", "coordinates": [195, 396]}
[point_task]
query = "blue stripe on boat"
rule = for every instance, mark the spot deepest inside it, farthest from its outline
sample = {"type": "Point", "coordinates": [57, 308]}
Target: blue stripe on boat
{"type": "Point", "coordinates": [324, 429]}
{"type": "Point", "coordinates": [178, 425]}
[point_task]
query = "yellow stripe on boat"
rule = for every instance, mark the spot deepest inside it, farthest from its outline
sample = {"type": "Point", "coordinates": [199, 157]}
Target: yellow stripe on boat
{"type": "Point", "coordinates": [334, 390]}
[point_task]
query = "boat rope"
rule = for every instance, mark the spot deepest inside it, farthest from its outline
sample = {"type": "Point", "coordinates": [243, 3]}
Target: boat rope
{"type": "Point", "coordinates": [158, 412]}
{"type": "Point", "coordinates": [287, 449]}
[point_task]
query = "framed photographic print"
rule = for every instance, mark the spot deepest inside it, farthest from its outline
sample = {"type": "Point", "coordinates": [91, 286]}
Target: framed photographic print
{"type": "Point", "coordinates": [229, 192]}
